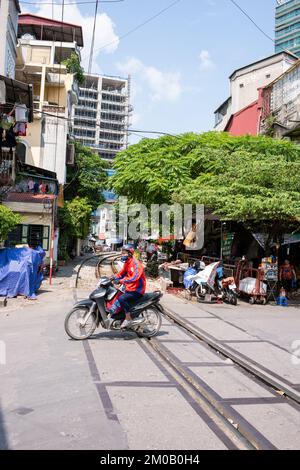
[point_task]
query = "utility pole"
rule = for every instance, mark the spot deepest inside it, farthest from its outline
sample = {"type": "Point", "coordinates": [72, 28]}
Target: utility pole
{"type": "Point", "coordinates": [93, 39]}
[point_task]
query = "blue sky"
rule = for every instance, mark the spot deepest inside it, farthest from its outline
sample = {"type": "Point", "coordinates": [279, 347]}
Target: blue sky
{"type": "Point", "coordinates": [179, 62]}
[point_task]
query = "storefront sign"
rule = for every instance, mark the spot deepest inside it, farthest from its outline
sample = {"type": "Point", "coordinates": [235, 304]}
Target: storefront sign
{"type": "Point", "coordinates": [227, 243]}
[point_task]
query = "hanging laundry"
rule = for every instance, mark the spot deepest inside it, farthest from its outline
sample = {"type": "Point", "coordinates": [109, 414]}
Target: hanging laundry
{"type": "Point", "coordinates": [20, 129]}
{"type": "Point", "coordinates": [6, 121]}
{"type": "Point", "coordinates": [36, 188]}
{"type": "Point", "coordinates": [21, 112]}
{"type": "Point", "coordinates": [10, 139]}
{"type": "Point", "coordinates": [30, 185]}
{"type": "Point", "coordinates": [42, 188]}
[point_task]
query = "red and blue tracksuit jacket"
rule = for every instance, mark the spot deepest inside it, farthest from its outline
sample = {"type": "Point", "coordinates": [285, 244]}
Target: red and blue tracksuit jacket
{"type": "Point", "coordinates": [133, 276]}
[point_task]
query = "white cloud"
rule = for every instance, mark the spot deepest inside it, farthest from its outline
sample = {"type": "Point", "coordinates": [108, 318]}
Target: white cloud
{"type": "Point", "coordinates": [105, 35]}
{"type": "Point", "coordinates": [206, 62]}
{"type": "Point", "coordinates": [162, 86]}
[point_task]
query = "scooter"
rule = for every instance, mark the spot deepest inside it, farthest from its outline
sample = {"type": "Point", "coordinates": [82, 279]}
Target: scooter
{"type": "Point", "coordinates": [229, 292]}
{"type": "Point", "coordinates": [204, 281]}
{"type": "Point", "coordinates": [88, 314]}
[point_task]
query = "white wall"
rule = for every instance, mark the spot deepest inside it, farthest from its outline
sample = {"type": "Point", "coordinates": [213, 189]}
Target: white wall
{"type": "Point", "coordinates": [245, 83]}
{"type": "Point", "coordinates": [8, 37]}
{"type": "Point", "coordinates": [54, 150]}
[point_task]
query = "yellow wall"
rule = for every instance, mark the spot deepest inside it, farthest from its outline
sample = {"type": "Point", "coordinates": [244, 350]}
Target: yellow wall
{"type": "Point", "coordinates": [32, 214]}
{"type": "Point", "coordinates": [38, 54]}
{"type": "Point", "coordinates": [55, 94]}
{"type": "Point", "coordinates": [33, 137]}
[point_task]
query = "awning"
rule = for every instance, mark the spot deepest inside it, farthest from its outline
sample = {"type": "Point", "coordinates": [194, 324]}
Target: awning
{"type": "Point", "coordinates": [17, 92]}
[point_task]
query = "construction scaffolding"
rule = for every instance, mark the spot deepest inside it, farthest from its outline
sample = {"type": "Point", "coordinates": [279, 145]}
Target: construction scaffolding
{"type": "Point", "coordinates": [101, 118]}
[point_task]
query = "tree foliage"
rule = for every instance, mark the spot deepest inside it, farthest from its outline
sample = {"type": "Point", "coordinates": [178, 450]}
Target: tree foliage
{"type": "Point", "coordinates": [73, 66]}
{"type": "Point", "coordinates": [247, 179]}
{"type": "Point", "coordinates": [87, 178]}
{"type": "Point", "coordinates": [75, 217]}
{"type": "Point", "coordinates": [83, 194]}
{"type": "Point", "coordinates": [8, 221]}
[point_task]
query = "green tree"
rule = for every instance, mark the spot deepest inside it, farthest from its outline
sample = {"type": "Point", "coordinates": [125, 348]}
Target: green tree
{"type": "Point", "coordinates": [87, 178]}
{"type": "Point", "coordinates": [154, 170]}
{"type": "Point", "coordinates": [8, 221]}
{"type": "Point", "coordinates": [75, 217]}
{"type": "Point", "coordinates": [253, 180]}
{"type": "Point", "coordinates": [73, 66]}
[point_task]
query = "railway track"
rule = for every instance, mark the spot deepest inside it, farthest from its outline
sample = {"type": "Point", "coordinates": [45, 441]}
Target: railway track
{"type": "Point", "coordinates": [224, 412]}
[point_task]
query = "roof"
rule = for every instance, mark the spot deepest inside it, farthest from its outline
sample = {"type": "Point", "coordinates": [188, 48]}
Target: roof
{"type": "Point", "coordinates": [36, 172]}
{"type": "Point", "coordinates": [221, 105]}
{"type": "Point", "coordinates": [48, 30]}
{"type": "Point", "coordinates": [245, 121]}
{"type": "Point", "coordinates": [288, 53]}
{"type": "Point", "coordinates": [28, 197]}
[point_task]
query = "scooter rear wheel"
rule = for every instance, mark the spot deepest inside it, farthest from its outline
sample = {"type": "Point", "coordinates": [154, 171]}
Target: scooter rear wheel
{"type": "Point", "coordinates": [73, 326]}
{"type": "Point", "coordinates": [200, 294]}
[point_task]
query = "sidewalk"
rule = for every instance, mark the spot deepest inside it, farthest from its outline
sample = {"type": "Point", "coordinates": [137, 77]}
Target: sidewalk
{"type": "Point", "coordinates": [260, 336]}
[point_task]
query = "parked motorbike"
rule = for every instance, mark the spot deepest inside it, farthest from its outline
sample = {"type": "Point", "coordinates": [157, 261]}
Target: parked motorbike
{"type": "Point", "coordinates": [229, 292]}
{"type": "Point", "coordinates": [88, 314]}
{"type": "Point", "coordinates": [203, 282]}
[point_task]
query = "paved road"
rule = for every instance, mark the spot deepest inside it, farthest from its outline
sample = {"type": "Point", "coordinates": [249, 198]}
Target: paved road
{"type": "Point", "coordinates": [109, 393]}
{"type": "Point", "coordinates": [115, 392]}
{"type": "Point", "coordinates": [263, 335]}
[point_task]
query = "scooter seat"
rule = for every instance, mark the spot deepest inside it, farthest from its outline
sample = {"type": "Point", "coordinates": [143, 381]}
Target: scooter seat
{"type": "Point", "coordinates": [146, 299]}
{"type": "Point", "coordinates": [149, 297]}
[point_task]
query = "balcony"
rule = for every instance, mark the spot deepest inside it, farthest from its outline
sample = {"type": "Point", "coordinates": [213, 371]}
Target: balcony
{"type": "Point", "coordinates": [113, 111]}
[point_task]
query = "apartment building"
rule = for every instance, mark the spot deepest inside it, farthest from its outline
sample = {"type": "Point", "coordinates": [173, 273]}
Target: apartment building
{"type": "Point", "coordinates": [287, 26]}
{"type": "Point", "coordinates": [245, 83]}
{"type": "Point", "coordinates": [43, 46]}
{"type": "Point", "coordinates": [281, 103]}
{"type": "Point", "coordinates": [9, 10]}
{"type": "Point", "coordinates": [102, 116]}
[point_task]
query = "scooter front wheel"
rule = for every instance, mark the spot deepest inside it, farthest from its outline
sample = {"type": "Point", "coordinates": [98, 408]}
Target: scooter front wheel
{"type": "Point", "coordinates": [200, 293]}
{"type": "Point", "coordinates": [75, 325]}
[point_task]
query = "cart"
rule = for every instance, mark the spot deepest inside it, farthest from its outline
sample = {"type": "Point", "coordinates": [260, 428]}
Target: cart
{"type": "Point", "coordinates": [257, 293]}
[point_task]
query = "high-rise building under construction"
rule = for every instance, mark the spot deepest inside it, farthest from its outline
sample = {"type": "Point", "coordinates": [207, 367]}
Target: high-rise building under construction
{"type": "Point", "coordinates": [102, 116]}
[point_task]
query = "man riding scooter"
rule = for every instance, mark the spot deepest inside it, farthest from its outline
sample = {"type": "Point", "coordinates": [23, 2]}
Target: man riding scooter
{"type": "Point", "coordinates": [132, 277]}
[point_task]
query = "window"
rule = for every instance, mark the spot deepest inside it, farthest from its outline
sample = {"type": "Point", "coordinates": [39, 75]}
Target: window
{"type": "Point", "coordinates": [32, 235]}
{"type": "Point", "coordinates": [241, 85]}
{"type": "Point", "coordinates": [268, 75]}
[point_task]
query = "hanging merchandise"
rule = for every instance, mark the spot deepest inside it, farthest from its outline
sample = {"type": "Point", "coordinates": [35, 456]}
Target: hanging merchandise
{"type": "Point", "coordinates": [2, 92]}
{"type": "Point", "coordinates": [21, 112]}
{"type": "Point", "coordinates": [20, 129]}
{"type": "Point", "coordinates": [10, 139]}
{"type": "Point", "coordinates": [6, 121]}
{"type": "Point", "coordinates": [30, 185]}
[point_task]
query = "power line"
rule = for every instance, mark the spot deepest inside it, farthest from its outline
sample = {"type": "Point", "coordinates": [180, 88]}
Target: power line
{"type": "Point", "coordinates": [98, 125]}
{"type": "Point", "coordinates": [93, 38]}
{"type": "Point", "coordinates": [72, 3]}
{"type": "Point", "coordinates": [139, 26]}
{"type": "Point", "coordinates": [252, 20]}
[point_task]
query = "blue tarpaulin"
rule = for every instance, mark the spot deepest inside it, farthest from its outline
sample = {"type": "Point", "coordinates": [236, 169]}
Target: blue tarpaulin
{"type": "Point", "coordinates": [20, 271]}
